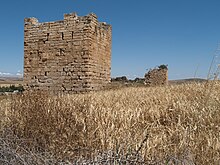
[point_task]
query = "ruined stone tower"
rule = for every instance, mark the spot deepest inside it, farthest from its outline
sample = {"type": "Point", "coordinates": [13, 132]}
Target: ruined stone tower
{"type": "Point", "coordinates": [157, 76]}
{"type": "Point", "coordinates": [72, 55]}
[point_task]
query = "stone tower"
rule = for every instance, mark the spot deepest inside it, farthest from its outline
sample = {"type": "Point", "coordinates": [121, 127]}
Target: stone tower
{"type": "Point", "coordinates": [157, 76]}
{"type": "Point", "coordinates": [71, 56]}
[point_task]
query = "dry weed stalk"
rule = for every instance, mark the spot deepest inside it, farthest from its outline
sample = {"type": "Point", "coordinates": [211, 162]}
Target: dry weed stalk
{"type": "Point", "coordinates": [158, 124]}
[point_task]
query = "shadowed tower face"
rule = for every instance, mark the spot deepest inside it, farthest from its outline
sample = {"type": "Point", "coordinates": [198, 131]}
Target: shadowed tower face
{"type": "Point", "coordinates": [72, 55]}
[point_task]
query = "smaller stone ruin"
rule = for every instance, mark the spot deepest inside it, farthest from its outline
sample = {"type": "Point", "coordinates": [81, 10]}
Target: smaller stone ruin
{"type": "Point", "coordinates": [157, 76]}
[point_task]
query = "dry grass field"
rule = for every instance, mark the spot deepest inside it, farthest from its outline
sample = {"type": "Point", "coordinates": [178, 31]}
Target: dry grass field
{"type": "Point", "coordinates": [177, 124]}
{"type": "Point", "coordinates": [10, 81]}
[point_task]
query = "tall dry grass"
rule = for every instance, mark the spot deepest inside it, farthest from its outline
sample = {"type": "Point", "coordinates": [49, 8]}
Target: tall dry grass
{"type": "Point", "coordinates": [154, 125]}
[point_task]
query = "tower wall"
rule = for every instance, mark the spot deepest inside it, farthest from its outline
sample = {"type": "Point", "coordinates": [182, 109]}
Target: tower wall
{"type": "Point", "coordinates": [72, 55]}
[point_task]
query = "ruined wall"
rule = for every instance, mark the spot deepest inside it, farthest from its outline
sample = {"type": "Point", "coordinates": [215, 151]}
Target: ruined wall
{"type": "Point", "coordinates": [73, 55]}
{"type": "Point", "coordinates": [156, 76]}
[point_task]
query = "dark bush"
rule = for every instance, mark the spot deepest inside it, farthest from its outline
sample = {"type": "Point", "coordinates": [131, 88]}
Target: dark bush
{"type": "Point", "coordinates": [12, 88]}
{"type": "Point", "coordinates": [163, 66]}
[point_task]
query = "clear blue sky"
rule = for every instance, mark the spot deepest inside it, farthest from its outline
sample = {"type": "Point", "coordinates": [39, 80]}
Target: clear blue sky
{"type": "Point", "coordinates": [181, 33]}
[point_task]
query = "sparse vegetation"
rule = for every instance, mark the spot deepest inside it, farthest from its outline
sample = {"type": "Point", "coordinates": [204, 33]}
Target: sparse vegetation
{"type": "Point", "coordinates": [139, 125]}
{"type": "Point", "coordinates": [11, 88]}
{"type": "Point", "coordinates": [163, 66]}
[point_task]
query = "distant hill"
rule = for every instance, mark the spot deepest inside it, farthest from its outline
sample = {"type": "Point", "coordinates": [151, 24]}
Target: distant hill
{"type": "Point", "coordinates": [11, 78]}
{"type": "Point", "coordinates": [189, 80]}
{"type": "Point", "coordinates": [7, 81]}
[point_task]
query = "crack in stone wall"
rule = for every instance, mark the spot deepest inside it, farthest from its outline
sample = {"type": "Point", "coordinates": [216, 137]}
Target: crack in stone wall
{"type": "Point", "coordinates": [72, 55]}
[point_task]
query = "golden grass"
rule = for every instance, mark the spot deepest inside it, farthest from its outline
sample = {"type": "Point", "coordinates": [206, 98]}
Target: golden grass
{"type": "Point", "coordinates": [178, 122]}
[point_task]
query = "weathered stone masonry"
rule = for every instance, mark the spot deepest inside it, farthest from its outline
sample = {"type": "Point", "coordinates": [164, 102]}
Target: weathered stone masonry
{"type": "Point", "coordinates": [73, 55]}
{"type": "Point", "coordinates": [157, 76]}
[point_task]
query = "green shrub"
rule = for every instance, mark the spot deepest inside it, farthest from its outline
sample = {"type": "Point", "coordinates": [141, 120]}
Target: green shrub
{"type": "Point", "coordinates": [163, 66]}
{"type": "Point", "coordinates": [12, 88]}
